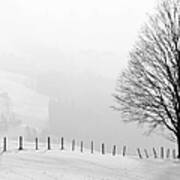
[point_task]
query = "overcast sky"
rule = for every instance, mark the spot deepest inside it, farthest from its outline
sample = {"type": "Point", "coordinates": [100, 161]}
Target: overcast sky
{"type": "Point", "coordinates": [80, 46]}
{"type": "Point", "coordinates": [57, 34]}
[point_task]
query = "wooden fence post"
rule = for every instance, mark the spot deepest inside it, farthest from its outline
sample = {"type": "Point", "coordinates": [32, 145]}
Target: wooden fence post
{"type": "Point", "coordinates": [174, 154]}
{"type": "Point", "coordinates": [124, 150]}
{"type": "Point", "coordinates": [81, 146]}
{"type": "Point", "coordinates": [155, 153]}
{"type": "Point", "coordinates": [114, 150]}
{"type": "Point", "coordinates": [139, 153]}
{"type": "Point", "coordinates": [20, 143]}
{"type": "Point", "coordinates": [73, 144]}
{"type": "Point", "coordinates": [168, 153]}
{"type": "Point", "coordinates": [92, 147]}
{"type": "Point", "coordinates": [162, 152]}
{"type": "Point", "coordinates": [103, 148]}
{"type": "Point", "coordinates": [4, 144]}
{"type": "Point", "coordinates": [36, 143]}
{"type": "Point", "coordinates": [49, 143]}
{"type": "Point", "coordinates": [146, 153]}
{"type": "Point", "coordinates": [62, 143]}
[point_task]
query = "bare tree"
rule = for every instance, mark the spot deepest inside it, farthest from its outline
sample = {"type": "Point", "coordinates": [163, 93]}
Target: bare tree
{"type": "Point", "coordinates": [148, 91]}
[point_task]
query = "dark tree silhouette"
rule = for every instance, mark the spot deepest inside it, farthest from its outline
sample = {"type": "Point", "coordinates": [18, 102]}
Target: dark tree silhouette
{"type": "Point", "coordinates": [148, 91]}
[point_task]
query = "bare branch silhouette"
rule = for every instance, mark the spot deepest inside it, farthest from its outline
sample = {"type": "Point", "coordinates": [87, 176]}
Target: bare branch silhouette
{"type": "Point", "coordinates": [149, 90]}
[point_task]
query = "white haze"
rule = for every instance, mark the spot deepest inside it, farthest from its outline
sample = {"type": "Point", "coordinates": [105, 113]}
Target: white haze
{"type": "Point", "coordinates": [74, 51]}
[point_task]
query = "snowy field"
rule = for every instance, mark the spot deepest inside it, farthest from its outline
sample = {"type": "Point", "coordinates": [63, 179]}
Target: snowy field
{"type": "Point", "coordinates": [66, 165]}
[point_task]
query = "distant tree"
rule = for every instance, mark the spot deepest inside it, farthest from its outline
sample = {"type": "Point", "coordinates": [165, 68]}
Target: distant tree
{"type": "Point", "coordinates": [148, 91]}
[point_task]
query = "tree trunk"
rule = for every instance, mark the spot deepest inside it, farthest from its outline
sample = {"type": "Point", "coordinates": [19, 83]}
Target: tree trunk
{"type": "Point", "coordinates": [178, 144]}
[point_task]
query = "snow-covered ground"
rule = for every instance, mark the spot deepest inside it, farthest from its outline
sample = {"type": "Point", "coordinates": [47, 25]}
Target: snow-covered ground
{"type": "Point", "coordinates": [67, 165]}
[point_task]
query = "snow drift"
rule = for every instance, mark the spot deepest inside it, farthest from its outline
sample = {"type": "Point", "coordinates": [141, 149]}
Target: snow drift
{"type": "Point", "coordinates": [67, 165]}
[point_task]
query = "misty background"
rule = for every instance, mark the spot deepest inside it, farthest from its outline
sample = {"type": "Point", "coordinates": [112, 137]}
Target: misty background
{"type": "Point", "coordinates": [59, 62]}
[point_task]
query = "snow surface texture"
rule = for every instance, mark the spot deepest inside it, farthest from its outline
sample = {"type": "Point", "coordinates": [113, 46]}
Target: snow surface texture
{"type": "Point", "coordinates": [67, 165]}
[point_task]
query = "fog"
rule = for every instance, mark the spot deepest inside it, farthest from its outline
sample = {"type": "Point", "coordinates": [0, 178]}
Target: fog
{"type": "Point", "coordinates": [73, 52]}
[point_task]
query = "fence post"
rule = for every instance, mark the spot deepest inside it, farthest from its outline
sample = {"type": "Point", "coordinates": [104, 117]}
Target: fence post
{"type": "Point", "coordinates": [174, 153]}
{"type": "Point", "coordinates": [124, 150]}
{"type": "Point", "coordinates": [73, 144]}
{"type": "Point", "coordinates": [139, 153]}
{"type": "Point", "coordinates": [49, 143]}
{"type": "Point", "coordinates": [20, 143]}
{"type": "Point", "coordinates": [168, 153]}
{"type": "Point", "coordinates": [81, 146]}
{"type": "Point", "coordinates": [155, 153]}
{"type": "Point", "coordinates": [162, 152]}
{"type": "Point", "coordinates": [103, 148]}
{"type": "Point", "coordinates": [92, 147]}
{"type": "Point", "coordinates": [114, 150]}
{"type": "Point", "coordinates": [146, 153]}
{"type": "Point", "coordinates": [62, 143]}
{"type": "Point", "coordinates": [36, 143]}
{"type": "Point", "coordinates": [4, 144]}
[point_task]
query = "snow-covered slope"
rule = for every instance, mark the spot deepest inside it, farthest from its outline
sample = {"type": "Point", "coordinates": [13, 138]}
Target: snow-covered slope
{"type": "Point", "coordinates": [26, 107]}
{"type": "Point", "coordinates": [66, 165]}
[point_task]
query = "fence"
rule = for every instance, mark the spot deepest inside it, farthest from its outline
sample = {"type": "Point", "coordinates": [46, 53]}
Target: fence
{"type": "Point", "coordinates": [142, 154]}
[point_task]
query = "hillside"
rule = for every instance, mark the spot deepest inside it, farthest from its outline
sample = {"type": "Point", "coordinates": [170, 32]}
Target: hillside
{"type": "Point", "coordinates": [20, 105]}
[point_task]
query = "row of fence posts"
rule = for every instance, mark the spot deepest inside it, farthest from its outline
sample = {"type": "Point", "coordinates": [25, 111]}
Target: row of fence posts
{"type": "Point", "coordinates": [163, 154]}
{"type": "Point", "coordinates": [20, 146]}
{"type": "Point", "coordinates": [114, 149]}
